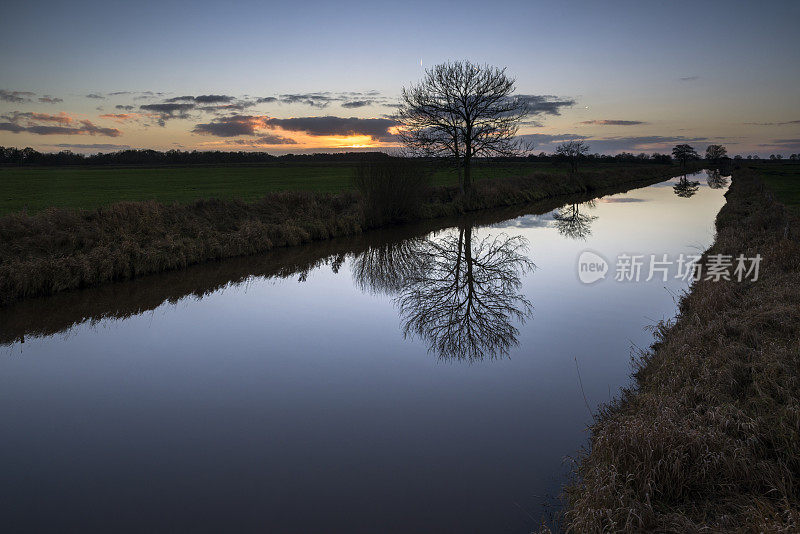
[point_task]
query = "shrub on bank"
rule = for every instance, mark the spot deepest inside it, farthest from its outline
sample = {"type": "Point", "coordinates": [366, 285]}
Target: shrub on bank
{"type": "Point", "coordinates": [393, 189]}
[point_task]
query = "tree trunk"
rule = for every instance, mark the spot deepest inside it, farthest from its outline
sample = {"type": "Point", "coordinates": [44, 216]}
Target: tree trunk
{"type": "Point", "coordinates": [467, 176]}
{"type": "Point", "coordinates": [468, 159]}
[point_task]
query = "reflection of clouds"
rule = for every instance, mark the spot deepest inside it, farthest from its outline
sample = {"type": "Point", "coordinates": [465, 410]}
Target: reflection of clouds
{"type": "Point", "coordinates": [529, 221]}
{"type": "Point", "coordinates": [619, 200]}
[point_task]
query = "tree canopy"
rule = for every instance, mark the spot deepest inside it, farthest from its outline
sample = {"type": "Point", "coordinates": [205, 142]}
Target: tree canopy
{"type": "Point", "coordinates": [462, 110]}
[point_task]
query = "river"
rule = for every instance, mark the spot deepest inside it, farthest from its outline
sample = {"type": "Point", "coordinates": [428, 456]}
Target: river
{"type": "Point", "coordinates": [430, 378]}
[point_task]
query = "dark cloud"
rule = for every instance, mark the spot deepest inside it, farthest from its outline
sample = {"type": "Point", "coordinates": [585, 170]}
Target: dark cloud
{"type": "Point", "coordinates": [236, 125]}
{"type": "Point", "coordinates": [15, 96]}
{"type": "Point", "coordinates": [83, 127]}
{"type": "Point", "coordinates": [232, 126]}
{"type": "Point", "coordinates": [48, 124]}
{"type": "Point", "coordinates": [167, 111]}
{"type": "Point", "coordinates": [323, 99]}
{"type": "Point", "coordinates": [213, 99]}
{"type": "Point", "coordinates": [545, 104]}
{"type": "Point", "coordinates": [203, 99]}
{"type": "Point", "coordinates": [179, 106]}
{"type": "Point", "coordinates": [11, 127]}
{"type": "Point", "coordinates": [377, 129]}
{"type": "Point", "coordinates": [357, 104]}
{"type": "Point", "coordinates": [95, 96]}
{"type": "Point", "coordinates": [316, 100]}
{"type": "Point", "coordinates": [267, 139]}
{"type": "Point", "coordinates": [143, 95]}
{"type": "Point", "coordinates": [188, 98]}
{"type": "Point", "coordinates": [239, 105]}
{"type": "Point", "coordinates": [534, 123]}
{"type": "Point", "coordinates": [773, 123]}
{"type": "Point", "coordinates": [689, 78]}
{"type": "Point", "coordinates": [32, 118]}
{"type": "Point", "coordinates": [783, 144]}
{"type": "Point", "coordinates": [610, 122]}
{"type": "Point", "coordinates": [47, 99]}
{"type": "Point", "coordinates": [125, 108]}
{"type": "Point", "coordinates": [266, 100]}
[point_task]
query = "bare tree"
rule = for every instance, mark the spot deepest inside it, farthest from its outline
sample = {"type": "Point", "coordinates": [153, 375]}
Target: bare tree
{"type": "Point", "coordinates": [462, 110]}
{"type": "Point", "coordinates": [572, 151]}
{"type": "Point", "coordinates": [684, 153]}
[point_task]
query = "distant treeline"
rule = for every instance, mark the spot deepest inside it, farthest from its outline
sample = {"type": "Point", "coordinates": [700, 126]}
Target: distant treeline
{"type": "Point", "coordinates": [29, 156]}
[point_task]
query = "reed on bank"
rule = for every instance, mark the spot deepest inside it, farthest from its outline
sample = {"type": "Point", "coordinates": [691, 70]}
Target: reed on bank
{"type": "Point", "coordinates": [708, 437]}
{"type": "Point", "coordinates": [62, 249]}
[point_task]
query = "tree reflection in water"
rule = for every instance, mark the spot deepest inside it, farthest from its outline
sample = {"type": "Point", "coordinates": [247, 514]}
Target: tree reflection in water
{"type": "Point", "coordinates": [387, 267]}
{"type": "Point", "coordinates": [715, 180]}
{"type": "Point", "coordinates": [686, 188]}
{"type": "Point", "coordinates": [570, 222]}
{"type": "Point", "coordinates": [459, 293]}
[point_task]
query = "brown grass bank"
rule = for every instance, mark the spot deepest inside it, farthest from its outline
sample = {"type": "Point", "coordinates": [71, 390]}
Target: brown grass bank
{"type": "Point", "coordinates": [708, 438]}
{"type": "Point", "coordinates": [58, 249]}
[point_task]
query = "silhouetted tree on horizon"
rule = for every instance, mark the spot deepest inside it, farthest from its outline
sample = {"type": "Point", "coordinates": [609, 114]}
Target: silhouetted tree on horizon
{"type": "Point", "coordinates": [462, 110]}
{"type": "Point", "coordinates": [715, 153]}
{"type": "Point", "coordinates": [572, 151]}
{"type": "Point", "coordinates": [684, 153]}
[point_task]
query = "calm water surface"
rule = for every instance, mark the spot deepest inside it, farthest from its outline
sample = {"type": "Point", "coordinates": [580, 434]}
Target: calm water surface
{"type": "Point", "coordinates": [406, 381]}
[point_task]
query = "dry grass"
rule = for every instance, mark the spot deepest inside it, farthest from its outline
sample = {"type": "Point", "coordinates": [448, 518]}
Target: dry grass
{"type": "Point", "coordinates": [708, 440]}
{"type": "Point", "coordinates": [61, 249]}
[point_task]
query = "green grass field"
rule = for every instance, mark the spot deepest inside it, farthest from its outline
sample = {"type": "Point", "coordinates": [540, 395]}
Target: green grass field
{"type": "Point", "coordinates": [784, 181]}
{"type": "Point", "coordinates": [38, 188]}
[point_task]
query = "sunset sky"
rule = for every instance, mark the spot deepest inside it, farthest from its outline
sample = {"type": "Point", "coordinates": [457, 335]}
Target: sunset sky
{"type": "Point", "coordinates": [308, 76]}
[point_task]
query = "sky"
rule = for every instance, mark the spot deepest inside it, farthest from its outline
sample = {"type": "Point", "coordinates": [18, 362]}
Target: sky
{"type": "Point", "coordinates": [325, 76]}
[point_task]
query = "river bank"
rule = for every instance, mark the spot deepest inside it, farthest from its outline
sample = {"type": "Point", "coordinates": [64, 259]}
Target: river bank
{"type": "Point", "coordinates": [708, 437]}
{"type": "Point", "coordinates": [59, 249]}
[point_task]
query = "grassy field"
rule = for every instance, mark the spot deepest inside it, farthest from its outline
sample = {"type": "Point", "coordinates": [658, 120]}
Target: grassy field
{"type": "Point", "coordinates": [60, 249]}
{"type": "Point", "coordinates": [784, 181]}
{"type": "Point", "coordinates": [38, 188]}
